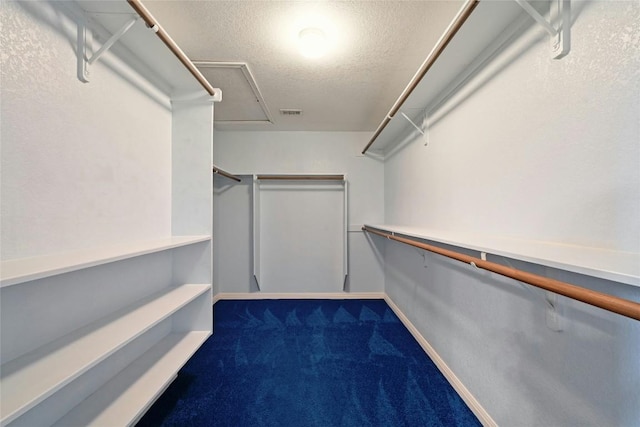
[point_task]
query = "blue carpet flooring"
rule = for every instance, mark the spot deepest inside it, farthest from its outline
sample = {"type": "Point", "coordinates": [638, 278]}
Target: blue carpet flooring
{"type": "Point", "coordinates": [309, 363]}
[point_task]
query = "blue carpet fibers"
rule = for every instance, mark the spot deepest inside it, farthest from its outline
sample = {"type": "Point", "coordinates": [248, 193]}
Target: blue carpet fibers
{"type": "Point", "coordinates": [309, 363]}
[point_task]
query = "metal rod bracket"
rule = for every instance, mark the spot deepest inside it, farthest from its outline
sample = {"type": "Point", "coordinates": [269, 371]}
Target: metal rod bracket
{"type": "Point", "coordinates": [425, 134]}
{"type": "Point", "coordinates": [558, 25]}
{"type": "Point", "coordinates": [85, 39]}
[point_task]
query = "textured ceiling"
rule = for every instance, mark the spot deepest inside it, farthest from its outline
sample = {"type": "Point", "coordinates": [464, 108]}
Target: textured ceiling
{"type": "Point", "coordinates": [377, 46]}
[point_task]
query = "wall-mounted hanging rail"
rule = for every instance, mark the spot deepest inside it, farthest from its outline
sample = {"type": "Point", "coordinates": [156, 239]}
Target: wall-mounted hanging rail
{"type": "Point", "coordinates": [607, 302]}
{"type": "Point", "coordinates": [174, 48]}
{"type": "Point", "coordinates": [217, 170]}
{"type": "Point", "coordinates": [435, 53]}
{"type": "Point", "coordinates": [300, 177]}
{"type": "Point", "coordinates": [477, 32]}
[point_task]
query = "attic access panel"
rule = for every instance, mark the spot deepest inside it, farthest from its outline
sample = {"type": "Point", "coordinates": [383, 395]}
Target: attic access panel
{"type": "Point", "coordinates": [242, 102]}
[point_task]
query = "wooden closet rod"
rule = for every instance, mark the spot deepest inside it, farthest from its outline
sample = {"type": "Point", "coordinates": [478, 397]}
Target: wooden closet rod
{"type": "Point", "coordinates": [226, 174]}
{"type": "Point", "coordinates": [440, 46]}
{"type": "Point", "coordinates": [173, 47]}
{"type": "Point", "coordinates": [301, 177]}
{"type": "Point", "coordinates": [598, 299]}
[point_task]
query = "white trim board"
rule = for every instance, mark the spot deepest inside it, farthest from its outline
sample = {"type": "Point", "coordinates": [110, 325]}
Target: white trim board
{"type": "Point", "coordinates": [288, 295]}
{"type": "Point", "coordinates": [465, 394]}
{"type": "Point", "coordinates": [455, 382]}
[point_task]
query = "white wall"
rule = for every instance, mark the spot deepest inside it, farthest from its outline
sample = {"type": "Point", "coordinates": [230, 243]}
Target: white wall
{"type": "Point", "coordinates": [301, 243]}
{"type": "Point", "coordinates": [248, 153]}
{"type": "Point", "coordinates": [83, 164]}
{"type": "Point", "coordinates": [540, 150]}
{"type": "Point", "coordinates": [232, 234]}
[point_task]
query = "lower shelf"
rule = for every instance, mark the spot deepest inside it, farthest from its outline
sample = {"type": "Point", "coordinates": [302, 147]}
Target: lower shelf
{"type": "Point", "coordinates": [30, 379]}
{"type": "Point", "coordinates": [125, 398]}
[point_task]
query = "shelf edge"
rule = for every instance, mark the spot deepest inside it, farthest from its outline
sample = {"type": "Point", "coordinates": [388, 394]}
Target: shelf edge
{"type": "Point", "coordinates": [599, 272]}
{"type": "Point", "coordinates": [45, 393]}
{"type": "Point", "coordinates": [162, 368]}
{"type": "Point", "coordinates": [14, 272]}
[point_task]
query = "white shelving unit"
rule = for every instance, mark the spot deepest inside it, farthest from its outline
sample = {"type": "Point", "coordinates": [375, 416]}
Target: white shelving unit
{"type": "Point", "coordinates": [489, 25]}
{"type": "Point", "coordinates": [13, 272]}
{"type": "Point", "coordinates": [623, 267]}
{"type": "Point", "coordinates": [94, 336]}
{"type": "Point", "coordinates": [125, 398]}
{"type": "Point", "coordinates": [28, 380]}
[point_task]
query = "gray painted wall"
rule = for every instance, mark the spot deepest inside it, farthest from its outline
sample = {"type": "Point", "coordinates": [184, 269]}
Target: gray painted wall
{"type": "Point", "coordinates": [534, 149]}
{"type": "Point", "coordinates": [248, 153]}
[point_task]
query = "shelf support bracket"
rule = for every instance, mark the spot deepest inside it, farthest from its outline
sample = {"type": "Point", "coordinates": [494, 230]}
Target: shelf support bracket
{"type": "Point", "coordinates": [424, 134]}
{"type": "Point", "coordinates": [84, 42]}
{"type": "Point", "coordinates": [558, 25]}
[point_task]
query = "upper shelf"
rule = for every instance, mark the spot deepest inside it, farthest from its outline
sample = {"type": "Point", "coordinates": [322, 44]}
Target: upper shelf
{"type": "Point", "coordinates": [473, 32]}
{"type": "Point", "coordinates": [623, 267]}
{"type": "Point", "coordinates": [13, 272]}
{"type": "Point", "coordinates": [164, 62]}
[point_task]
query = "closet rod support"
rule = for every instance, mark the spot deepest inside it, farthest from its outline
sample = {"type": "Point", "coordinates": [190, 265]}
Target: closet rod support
{"type": "Point", "coordinates": [412, 123]}
{"type": "Point", "coordinates": [418, 128]}
{"type": "Point", "coordinates": [112, 40]}
{"type": "Point", "coordinates": [557, 26]}
{"type": "Point", "coordinates": [84, 40]}
{"type": "Point", "coordinates": [538, 18]}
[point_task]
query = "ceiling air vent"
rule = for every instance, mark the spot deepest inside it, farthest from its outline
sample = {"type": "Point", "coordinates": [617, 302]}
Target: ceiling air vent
{"type": "Point", "coordinates": [290, 112]}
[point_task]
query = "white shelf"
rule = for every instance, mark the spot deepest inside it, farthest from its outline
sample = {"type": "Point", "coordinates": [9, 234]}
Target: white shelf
{"type": "Point", "coordinates": [28, 380]}
{"type": "Point", "coordinates": [489, 22]}
{"type": "Point", "coordinates": [13, 272]}
{"type": "Point", "coordinates": [125, 398]}
{"type": "Point", "coordinates": [623, 267]}
{"type": "Point", "coordinates": [80, 351]}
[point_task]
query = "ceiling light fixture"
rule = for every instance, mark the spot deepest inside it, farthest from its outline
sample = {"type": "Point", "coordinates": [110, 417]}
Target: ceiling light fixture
{"type": "Point", "coordinates": [312, 42]}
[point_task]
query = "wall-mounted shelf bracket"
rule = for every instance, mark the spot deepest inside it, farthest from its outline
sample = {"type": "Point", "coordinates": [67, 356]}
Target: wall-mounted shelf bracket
{"type": "Point", "coordinates": [558, 26]}
{"type": "Point", "coordinates": [85, 39]}
{"type": "Point", "coordinates": [425, 134]}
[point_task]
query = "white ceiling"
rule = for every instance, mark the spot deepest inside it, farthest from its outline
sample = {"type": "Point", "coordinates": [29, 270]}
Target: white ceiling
{"type": "Point", "coordinates": [377, 48]}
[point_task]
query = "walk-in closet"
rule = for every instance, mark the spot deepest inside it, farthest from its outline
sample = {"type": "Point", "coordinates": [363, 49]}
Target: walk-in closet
{"type": "Point", "coordinates": [434, 219]}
